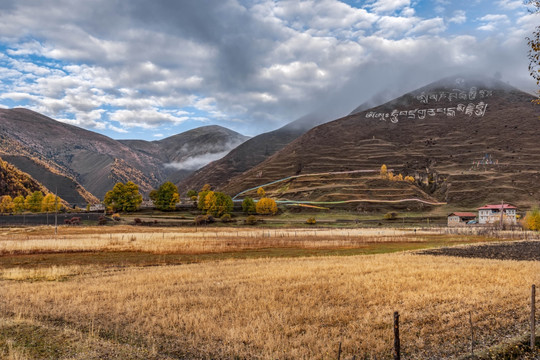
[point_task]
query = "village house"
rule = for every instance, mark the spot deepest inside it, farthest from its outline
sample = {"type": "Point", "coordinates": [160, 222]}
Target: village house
{"type": "Point", "coordinates": [96, 207]}
{"type": "Point", "coordinates": [460, 218]}
{"type": "Point", "coordinates": [491, 214]}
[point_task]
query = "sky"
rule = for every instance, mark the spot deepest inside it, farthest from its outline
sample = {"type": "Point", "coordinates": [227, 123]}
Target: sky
{"type": "Point", "coordinates": [136, 69]}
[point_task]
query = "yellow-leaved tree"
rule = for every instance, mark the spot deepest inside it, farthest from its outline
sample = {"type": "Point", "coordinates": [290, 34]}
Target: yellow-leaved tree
{"type": "Point", "coordinates": [260, 192]}
{"type": "Point", "coordinates": [48, 203]}
{"type": "Point", "coordinates": [266, 206]}
{"type": "Point", "coordinates": [6, 205]}
{"type": "Point", "coordinates": [532, 220]}
{"type": "Point", "coordinates": [18, 204]}
{"type": "Point", "coordinates": [384, 171]}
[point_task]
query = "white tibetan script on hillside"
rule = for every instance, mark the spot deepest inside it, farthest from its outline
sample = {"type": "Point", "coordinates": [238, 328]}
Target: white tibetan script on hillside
{"type": "Point", "coordinates": [455, 94]}
{"type": "Point", "coordinates": [471, 109]}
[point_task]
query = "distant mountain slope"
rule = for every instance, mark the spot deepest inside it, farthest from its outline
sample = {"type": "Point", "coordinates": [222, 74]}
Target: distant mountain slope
{"type": "Point", "coordinates": [466, 141]}
{"type": "Point", "coordinates": [250, 153]}
{"type": "Point", "coordinates": [84, 164]}
{"type": "Point", "coordinates": [188, 151]}
{"type": "Point", "coordinates": [14, 182]}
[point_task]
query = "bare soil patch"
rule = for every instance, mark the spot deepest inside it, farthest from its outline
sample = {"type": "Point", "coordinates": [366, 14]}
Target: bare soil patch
{"type": "Point", "coordinates": [516, 250]}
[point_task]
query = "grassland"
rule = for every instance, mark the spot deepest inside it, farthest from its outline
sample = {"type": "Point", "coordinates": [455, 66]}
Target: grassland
{"type": "Point", "coordinates": [250, 293]}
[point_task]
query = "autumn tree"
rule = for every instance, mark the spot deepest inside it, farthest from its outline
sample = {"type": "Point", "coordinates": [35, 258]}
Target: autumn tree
{"type": "Point", "coordinates": [33, 201]}
{"type": "Point", "coordinates": [217, 203]}
{"type": "Point", "coordinates": [409, 179]}
{"type": "Point", "coordinates": [6, 205]}
{"type": "Point", "coordinates": [266, 206]}
{"type": "Point", "coordinates": [18, 204]}
{"type": "Point", "coordinates": [248, 205]}
{"type": "Point", "coordinates": [165, 197]}
{"type": "Point", "coordinates": [48, 203]}
{"type": "Point", "coordinates": [201, 200]}
{"type": "Point", "coordinates": [534, 48]}
{"type": "Point", "coordinates": [384, 171]}
{"type": "Point", "coordinates": [261, 192]}
{"type": "Point", "coordinates": [532, 220]}
{"type": "Point", "coordinates": [123, 197]}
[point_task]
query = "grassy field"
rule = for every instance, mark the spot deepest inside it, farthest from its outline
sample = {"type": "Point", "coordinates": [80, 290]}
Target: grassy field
{"type": "Point", "coordinates": [147, 293]}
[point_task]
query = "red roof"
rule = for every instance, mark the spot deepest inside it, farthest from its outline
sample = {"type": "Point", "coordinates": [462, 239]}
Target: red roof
{"type": "Point", "coordinates": [463, 214]}
{"type": "Point", "coordinates": [497, 207]}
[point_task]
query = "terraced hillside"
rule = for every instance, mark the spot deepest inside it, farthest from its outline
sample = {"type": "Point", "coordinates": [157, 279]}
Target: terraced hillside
{"type": "Point", "coordinates": [466, 141]}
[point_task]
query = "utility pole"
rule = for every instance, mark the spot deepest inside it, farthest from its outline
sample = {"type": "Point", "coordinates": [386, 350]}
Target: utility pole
{"type": "Point", "coordinates": [502, 212]}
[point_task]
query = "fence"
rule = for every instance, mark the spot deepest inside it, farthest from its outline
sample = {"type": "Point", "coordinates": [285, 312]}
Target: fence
{"type": "Point", "coordinates": [516, 347]}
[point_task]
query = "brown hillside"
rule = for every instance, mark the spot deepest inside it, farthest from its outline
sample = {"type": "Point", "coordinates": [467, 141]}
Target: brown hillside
{"type": "Point", "coordinates": [14, 182]}
{"type": "Point", "coordinates": [466, 141]}
{"type": "Point", "coordinates": [251, 153]}
{"type": "Point", "coordinates": [84, 165]}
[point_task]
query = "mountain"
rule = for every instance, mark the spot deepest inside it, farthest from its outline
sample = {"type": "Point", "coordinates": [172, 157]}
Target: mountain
{"type": "Point", "coordinates": [183, 153]}
{"type": "Point", "coordinates": [261, 147]}
{"type": "Point", "coordinates": [250, 153]}
{"type": "Point", "coordinates": [84, 165]}
{"type": "Point", "coordinates": [466, 141]}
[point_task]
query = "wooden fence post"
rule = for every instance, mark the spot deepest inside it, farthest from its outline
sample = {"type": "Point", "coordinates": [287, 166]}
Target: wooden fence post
{"type": "Point", "coordinates": [472, 334]}
{"type": "Point", "coordinates": [397, 350]}
{"type": "Point", "coordinates": [533, 318]}
{"type": "Point", "coordinates": [339, 352]}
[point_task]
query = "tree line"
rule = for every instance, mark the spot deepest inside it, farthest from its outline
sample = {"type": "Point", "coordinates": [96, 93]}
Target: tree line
{"type": "Point", "coordinates": [126, 198]}
{"type": "Point", "coordinates": [35, 202]}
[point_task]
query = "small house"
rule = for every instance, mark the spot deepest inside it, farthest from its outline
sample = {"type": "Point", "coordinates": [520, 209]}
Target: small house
{"type": "Point", "coordinates": [96, 207]}
{"type": "Point", "coordinates": [491, 214]}
{"type": "Point", "coordinates": [460, 218]}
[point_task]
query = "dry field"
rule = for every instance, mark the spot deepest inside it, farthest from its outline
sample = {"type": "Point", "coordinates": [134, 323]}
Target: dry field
{"type": "Point", "coordinates": [192, 240]}
{"type": "Point", "coordinates": [269, 308]}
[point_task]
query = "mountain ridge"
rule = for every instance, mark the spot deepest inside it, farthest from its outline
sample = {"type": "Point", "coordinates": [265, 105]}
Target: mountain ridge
{"type": "Point", "coordinates": [89, 164]}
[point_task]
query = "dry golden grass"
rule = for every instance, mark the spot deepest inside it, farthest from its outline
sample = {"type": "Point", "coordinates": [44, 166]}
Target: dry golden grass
{"type": "Point", "coordinates": [291, 308]}
{"type": "Point", "coordinates": [52, 273]}
{"type": "Point", "coordinates": [193, 241]}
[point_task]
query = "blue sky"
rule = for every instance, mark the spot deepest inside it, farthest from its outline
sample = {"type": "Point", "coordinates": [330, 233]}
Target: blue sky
{"type": "Point", "coordinates": [147, 70]}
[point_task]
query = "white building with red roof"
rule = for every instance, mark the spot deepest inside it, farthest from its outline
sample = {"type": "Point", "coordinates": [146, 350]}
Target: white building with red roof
{"type": "Point", "coordinates": [491, 214]}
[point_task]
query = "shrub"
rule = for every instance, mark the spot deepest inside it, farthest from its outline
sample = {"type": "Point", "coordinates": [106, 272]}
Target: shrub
{"type": "Point", "coordinates": [116, 217]}
{"type": "Point", "coordinates": [204, 219]}
{"type": "Point", "coordinates": [390, 216]}
{"type": "Point", "coordinates": [137, 221]}
{"type": "Point", "coordinates": [311, 221]}
{"type": "Point", "coordinates": [102, 220]}
{"type": "Point", "coordinates": [226, 218]}
{"type": "Point", "coordinates": [251, 220]}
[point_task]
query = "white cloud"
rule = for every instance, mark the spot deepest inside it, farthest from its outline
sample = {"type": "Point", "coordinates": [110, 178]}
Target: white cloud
{"type": "Point", "coordinates": [98, 64]}
{"type": "Point", "coordinates": [459, 17]}
{"type": "Point", "coordinates": [145, 118]}
{"type": "Point", "coordinates": [510, 4]}
{"type": "Point", "coordinates": [389, 5]}
{"type": "Point", "coordinates": [197, 162]}
{"type": "Point", "coordinates": [117, 129]}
